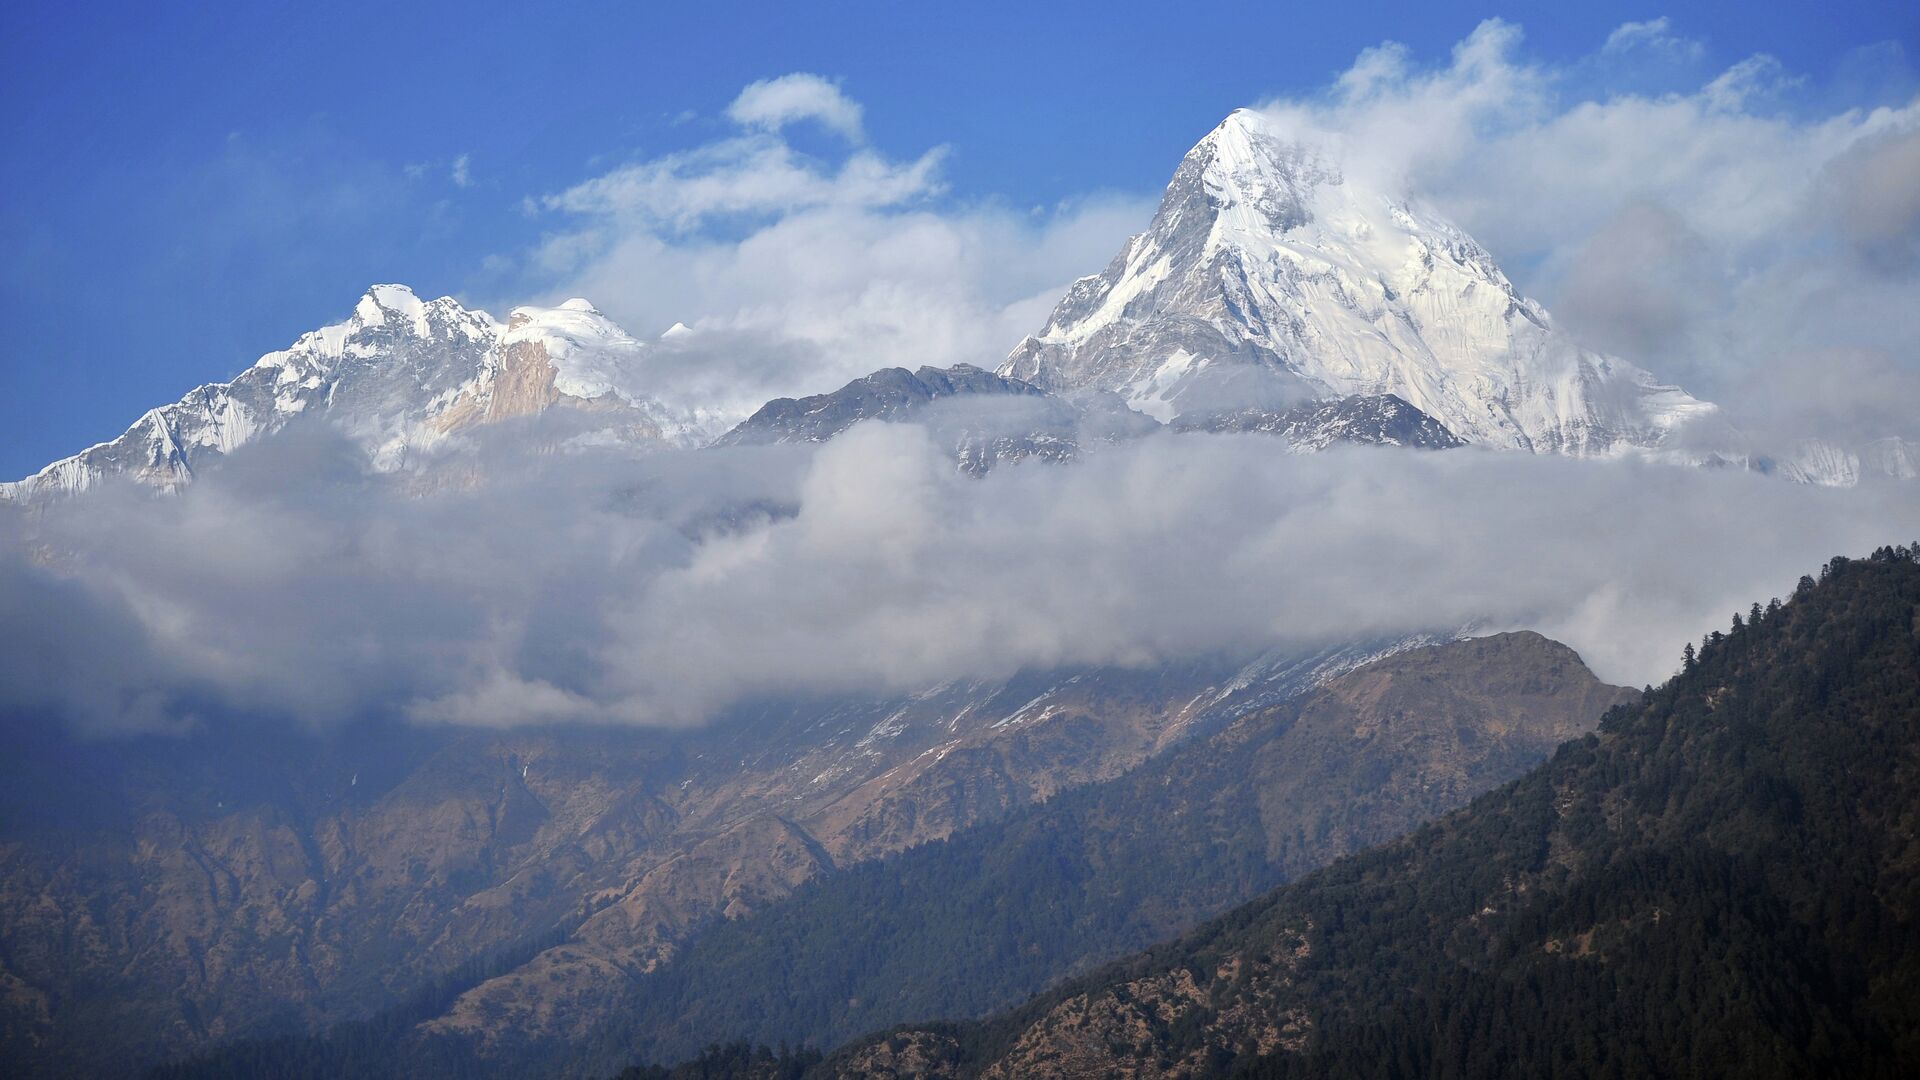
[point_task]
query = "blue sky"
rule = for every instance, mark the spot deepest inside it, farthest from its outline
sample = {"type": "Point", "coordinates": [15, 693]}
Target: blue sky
{"type": "Point", "coordinates": [188, 186]}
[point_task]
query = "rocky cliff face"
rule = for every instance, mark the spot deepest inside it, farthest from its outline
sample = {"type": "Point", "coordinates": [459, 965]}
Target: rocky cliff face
{"type": "Point", "coordinates": [983, 418]}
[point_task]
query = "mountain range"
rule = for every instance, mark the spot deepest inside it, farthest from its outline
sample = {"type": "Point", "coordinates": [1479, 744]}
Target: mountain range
{"type": "Point", "coordinates": [1268, 282]}
{"type": "Point", "coordinates": [1358, 857]}
{"type": "Point", "coordinates": [1117, 827]}
{"type": "Point", "coordinates": [160, 894]}
{"type": "Point", "coordinates": [400, 376]}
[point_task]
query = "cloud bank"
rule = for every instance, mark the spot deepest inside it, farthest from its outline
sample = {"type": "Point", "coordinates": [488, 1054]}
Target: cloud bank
{"type": "Point", "coordinates": [799, 271]}
{"type": "Point", "coordinates": [657, 591]}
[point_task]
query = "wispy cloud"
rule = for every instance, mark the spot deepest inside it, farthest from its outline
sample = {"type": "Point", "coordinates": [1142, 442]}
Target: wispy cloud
{"type": "Point", "coordinates": [799, 272]}
{"type": "Point", "coordinates": [747, 175]}
{"type": "Point", "coordinates": [1654, 35]}
{"type": "Point", "coordinates": [772, 104]}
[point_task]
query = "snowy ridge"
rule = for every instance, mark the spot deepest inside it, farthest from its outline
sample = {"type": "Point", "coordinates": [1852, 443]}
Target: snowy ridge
{"type": "Point", "coordinates": [399, 375]}
{"type": "Point", "coordinates": [1829, 463]}
{"type": "Point", "coordinates": [1268, 276]}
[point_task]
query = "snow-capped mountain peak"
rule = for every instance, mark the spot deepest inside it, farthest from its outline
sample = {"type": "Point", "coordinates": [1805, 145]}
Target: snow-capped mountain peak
{"type": "Point", "coordinates": [1275, 290]}
{"type": "Point", "coordinates": [386, 304]}
{"type": "Point", "coordinates": [398, 375]}
{"type": "Point", "coordinates": [1269, 275]}
{"type": "Point", "coordinates": [384, 316]}
{"type": "Point", "coordinates": [1258, 185]}
{"type": "Point", "coordinates": [592, 355]}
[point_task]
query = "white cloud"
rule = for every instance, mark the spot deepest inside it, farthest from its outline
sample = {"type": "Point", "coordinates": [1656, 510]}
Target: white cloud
{"type": "Point", "coordinates": [825, 295]}
{"type": "Point", "coordinates": [799, 273]}
{"type": "Point", "coordinates": [889, 572]}
{"type": "Point", "coordinates": [1756, 76]}
{"type": "Point", "coordinates": [462, 173]}
{"type": "Point", "coordinates": [503, 699]}
{"type": "Point", "coordinates": [897, 574]}
{"type": "Point", "coordinates": [1654, 35]}
{"type": "Point", "coordinates": [1874, 191]}
{"type": "Point", "coordinates": [1713, 235]}
{"type": "Point", "coordinates": [1709, 234]}
{"type": "Point", "coordinates": [746, 175]}
{"type": "Point", "coordinates": [772, 104]}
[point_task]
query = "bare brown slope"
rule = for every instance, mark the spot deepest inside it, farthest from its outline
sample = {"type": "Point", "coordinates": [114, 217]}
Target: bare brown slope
{"type": "Point", "coordinates": [161, 896]}
{"type": "Point", "coordinates": [996, 913]}
{"type": "Point", "coordinates": [1410, 737]}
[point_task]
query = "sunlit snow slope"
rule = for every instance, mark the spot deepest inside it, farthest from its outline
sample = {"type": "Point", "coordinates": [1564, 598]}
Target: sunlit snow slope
{"type": "Point", "coordinates": [1267, 274]}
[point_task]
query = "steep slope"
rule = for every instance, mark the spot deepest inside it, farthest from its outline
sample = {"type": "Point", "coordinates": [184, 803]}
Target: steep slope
{"type": "Point", "coordinates": [996, 913]}
{"type": "Point", "coordinates": [986, 419]}
{"type": "Point", "coordinates": [161, 895]}
{"type": "Point", "coordinates": [1724, 880]}
{"type": "Point", "coordinates": [399, 375]}
{"type": "Point", "coordinates": [1267, 275]}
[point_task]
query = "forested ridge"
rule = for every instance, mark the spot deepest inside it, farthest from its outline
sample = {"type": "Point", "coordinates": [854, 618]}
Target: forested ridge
{"type": "Point", "coordinates": [1723, 881]}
